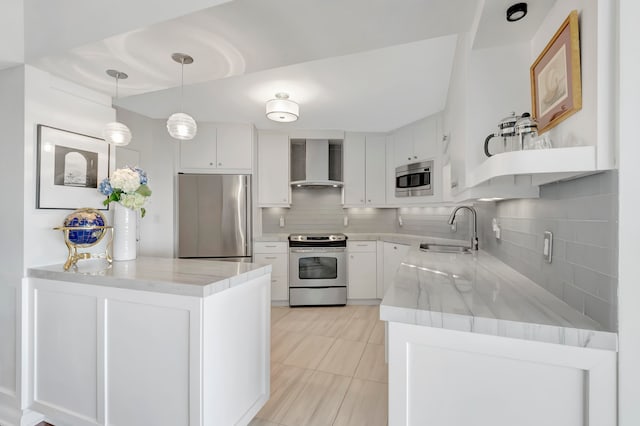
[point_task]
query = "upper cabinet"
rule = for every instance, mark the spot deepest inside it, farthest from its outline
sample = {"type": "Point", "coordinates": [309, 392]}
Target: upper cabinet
{"type": "Point", "coordinates": [218, 148]}
{"type": "Point", "coordinates": [491, 78]}
{"type": "Point", "coordinates": [364, 170]}
{"type": "Point", "coordinates": [273, 169]}
{"type": "Point", "coordinates": [416, 142]}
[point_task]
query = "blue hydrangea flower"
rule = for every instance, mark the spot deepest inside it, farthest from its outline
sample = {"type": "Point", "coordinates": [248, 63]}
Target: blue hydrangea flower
{"type": "Point", "coordinates": [142, 174]}
{"type": "Point", "coordinates": [105, 187]}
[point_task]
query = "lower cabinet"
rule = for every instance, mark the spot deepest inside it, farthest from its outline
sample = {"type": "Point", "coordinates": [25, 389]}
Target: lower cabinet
{"type": "Point", "coordinates": [275, 254]}
{"type": "Point", "coordinates": [393, 254]}
{"type": "Point", "coordinates": [100, 355]}
{"type": "Point", "coordinates": [362, 270]}
{"type": "Point", "coordinates": [448, 377]}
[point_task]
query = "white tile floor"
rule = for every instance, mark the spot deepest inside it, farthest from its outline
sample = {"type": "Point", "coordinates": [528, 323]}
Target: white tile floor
{"type": "Point", "coordinates": [327, 368]}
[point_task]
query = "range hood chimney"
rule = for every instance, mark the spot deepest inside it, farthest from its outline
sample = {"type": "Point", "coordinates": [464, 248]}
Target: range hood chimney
{"type": "Point", "coordinates": [322, 164]}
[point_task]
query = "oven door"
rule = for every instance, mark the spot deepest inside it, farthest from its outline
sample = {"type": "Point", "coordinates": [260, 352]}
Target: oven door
{"type": "Point", "coordinates": [317, 267]}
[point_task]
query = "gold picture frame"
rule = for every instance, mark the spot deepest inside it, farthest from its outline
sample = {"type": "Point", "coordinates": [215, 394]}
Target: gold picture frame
{"type": "Point", "coordinates": [556, 87]}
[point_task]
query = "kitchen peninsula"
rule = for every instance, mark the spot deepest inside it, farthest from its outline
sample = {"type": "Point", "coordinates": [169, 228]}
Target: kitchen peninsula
{"type": "Point", "coordinates": [471, 341]}
{"type": "Point", "coordinates": [149, 341]}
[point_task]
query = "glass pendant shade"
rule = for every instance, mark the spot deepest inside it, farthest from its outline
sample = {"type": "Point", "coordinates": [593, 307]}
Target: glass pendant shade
{"type": "Point", "coordinates": [116, 133]}
{"type": "Point", "coordinates": [282, 109]}
{"type": "Point", "coordinates": [182, 126]}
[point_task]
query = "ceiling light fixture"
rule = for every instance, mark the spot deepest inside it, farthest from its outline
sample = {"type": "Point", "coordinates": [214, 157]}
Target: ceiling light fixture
{"type": "Point", "coordinates": [116, 133]}
{"type": "Point", "coordinates": [282, 109]}
{"type": "Point", "coordinates": [182, 126]}
{"type": "Point", "coordinates": [516, 12]}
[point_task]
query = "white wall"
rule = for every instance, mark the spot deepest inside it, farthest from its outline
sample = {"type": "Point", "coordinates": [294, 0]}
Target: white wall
{"type": "Point", "coordinates": [158, 152]}
{"type": "Point", "coordinates": [454, 116]}
{"type": "Point", "coordinates": [12, 33]}
{"type": "Point", "coordinates": [629, 225]}
{"type": "Point", "coordinates": [498, 84]}
{"type": "Point", "coordinates": [57, 103]}
{"type": "Point", "coordinates": [11, 230]}
{"type": "Point", "coordinates": [592, 125]}
{"type": "Point", "coordinates": [31, 97]}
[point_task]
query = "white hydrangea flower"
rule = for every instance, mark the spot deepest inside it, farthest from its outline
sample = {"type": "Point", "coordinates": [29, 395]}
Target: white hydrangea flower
{"type": "Point", "coordinates": [125, 179]}
{"type": "Point", "coordinates": [133, 201]}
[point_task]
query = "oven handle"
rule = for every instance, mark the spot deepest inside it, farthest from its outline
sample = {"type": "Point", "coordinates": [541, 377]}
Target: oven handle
{"type": "Point", "coordinates": [318, 250]}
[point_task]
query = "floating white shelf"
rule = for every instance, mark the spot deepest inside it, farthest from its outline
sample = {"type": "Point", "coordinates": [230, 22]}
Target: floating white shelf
{"type": "Point", "coordinates": [565, 162]}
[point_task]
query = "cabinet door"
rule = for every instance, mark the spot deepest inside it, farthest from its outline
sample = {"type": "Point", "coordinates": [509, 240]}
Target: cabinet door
{"type": "Point", "coordinates": [403, 146]}
{"type": "Point", "coordinates": [376, 170]}
{"type": "Point", "coordinates": [393, 255]}
{"type": "Point", "coordinates": [234, 146]}
{"type": "Point", "coordinates": [362, 275]}
{"type": "Point", "coordinates": [273, 170]}
{"type": "Point", "coordinates": [200, 152]}
{"type": "Point", "coordinates": [354, 169]}
{"type": "Point", "coordinates": [425, 141]}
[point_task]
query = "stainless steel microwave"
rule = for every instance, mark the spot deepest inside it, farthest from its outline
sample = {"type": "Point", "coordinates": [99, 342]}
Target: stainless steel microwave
{"type": "Point", "coordinates": [415, 179]}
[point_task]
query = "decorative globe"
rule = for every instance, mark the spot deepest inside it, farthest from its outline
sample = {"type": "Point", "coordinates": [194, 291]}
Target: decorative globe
{"type": "Point", "coordinates": [84, 223]}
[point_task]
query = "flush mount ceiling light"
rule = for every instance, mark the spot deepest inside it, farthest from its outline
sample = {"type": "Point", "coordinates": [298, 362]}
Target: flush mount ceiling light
{"type": "Point", "coordinates": [116, 133]}
{"type": "Point", "coordinates": [182, 126]}
{"type": "Point", "coordinates": [282, 109]}
{"type": "Point", "coordinates": [516, 12]}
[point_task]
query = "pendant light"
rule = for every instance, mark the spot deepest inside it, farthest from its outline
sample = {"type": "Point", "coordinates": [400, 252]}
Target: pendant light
{"type": "Point", "coordinates": [282, 109]}
{"type": "Point", "coordinates": [116, 133]}
{"type": "Point", "coordinates": [182, 126]}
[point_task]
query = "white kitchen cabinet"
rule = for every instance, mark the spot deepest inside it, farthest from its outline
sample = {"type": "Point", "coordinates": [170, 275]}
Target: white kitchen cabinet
{"type": "Point", "coordinates": [200, 152]}
{"type": "Point", "coordinates": [275, 254]}
{"type": "Point", "coordinates": [416, 142]}
{"type": "Point", "coordinates": [273, 169]}
{"type": "Point", "coordinates": [499, 381]}
{"type": "Point", "coordinates": [393, 254]}
{"type": "Point", "coordinates": [365, 170]}
{"type": "Point", "coordinates": [234, 146]}
{"type": "Point", "coordinates": [104, 355]}
{"type": "Point", "coordinates": [354, 169]}
{"type": "Point", "coordinates": [218, 148]}
{"type": "Point", "coordinates": [375, 170]}
{"type": "Point", "coordinates": [362, 270]}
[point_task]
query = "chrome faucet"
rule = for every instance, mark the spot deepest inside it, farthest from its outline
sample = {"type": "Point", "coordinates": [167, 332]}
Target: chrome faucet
{"type": "Point", "coordinates": [474, 220]}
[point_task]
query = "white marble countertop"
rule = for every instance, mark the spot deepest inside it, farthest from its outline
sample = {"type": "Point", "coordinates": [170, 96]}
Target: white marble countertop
{"type": "Point", "coordinates": [480, 294]}
{"type": "Point", "coordinates": [408, 239]}
{"type": "Point", "coordinates": [187, 277]}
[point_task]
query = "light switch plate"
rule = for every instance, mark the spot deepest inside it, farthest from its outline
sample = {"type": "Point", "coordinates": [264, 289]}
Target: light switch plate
{"type": "Point", "coordinates": [547, 248]}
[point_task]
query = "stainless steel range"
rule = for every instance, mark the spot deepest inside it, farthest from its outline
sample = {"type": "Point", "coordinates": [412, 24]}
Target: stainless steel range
{"type": "Point", "coordinates": [317, 269]}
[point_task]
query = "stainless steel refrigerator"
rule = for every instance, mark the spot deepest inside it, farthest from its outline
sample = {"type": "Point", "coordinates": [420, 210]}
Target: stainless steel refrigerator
{"type": "Point", "coordinates": [214, 216]}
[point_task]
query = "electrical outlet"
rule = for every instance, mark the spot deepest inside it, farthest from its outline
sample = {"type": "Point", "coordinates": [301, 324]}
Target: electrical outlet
{"type": "Point", "coordinates": [281, 221]}
{"type": "Point", "coordinates": [547, 248]}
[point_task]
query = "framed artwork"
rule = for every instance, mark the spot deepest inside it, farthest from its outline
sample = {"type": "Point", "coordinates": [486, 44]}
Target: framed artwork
{"type": "Point", "coordinates": [556, 88]}
{"type": "Point", "coordinates": [70, 167]}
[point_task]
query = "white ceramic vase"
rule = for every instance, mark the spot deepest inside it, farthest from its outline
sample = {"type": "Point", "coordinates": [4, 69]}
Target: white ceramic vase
{"type": "Point", "coordinates": [124, 233]}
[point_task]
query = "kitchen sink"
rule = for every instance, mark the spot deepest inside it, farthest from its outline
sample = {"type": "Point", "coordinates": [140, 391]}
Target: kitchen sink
{"type": "Point", "coordinates": [444, 248]}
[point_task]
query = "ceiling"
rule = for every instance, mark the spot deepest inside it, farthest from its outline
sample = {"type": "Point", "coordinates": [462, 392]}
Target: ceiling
{"type": "Point", "coordinates": [360, 65]}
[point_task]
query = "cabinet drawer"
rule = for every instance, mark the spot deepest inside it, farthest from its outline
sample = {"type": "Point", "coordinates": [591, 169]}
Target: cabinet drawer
{"type": "Point", "coordinates": [358, 246]}
{"type": "Point", "coordinates": [270, 247]}
{"type": "Point", "coordinates": [278, 262]}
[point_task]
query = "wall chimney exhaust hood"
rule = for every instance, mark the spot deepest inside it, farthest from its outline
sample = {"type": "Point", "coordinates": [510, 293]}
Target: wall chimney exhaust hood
{"type": "Point", "coordinates": [316, 163]}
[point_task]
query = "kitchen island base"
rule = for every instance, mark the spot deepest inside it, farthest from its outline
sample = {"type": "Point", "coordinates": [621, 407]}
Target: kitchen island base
{"type": "Point", "coordinates": [448, 377]}
{"type": "Point", "coordinates": [102, 355]}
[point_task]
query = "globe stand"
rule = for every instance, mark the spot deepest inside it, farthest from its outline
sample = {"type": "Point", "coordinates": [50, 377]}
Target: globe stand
{"type": "Point", "coordinates": [74, 255]}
